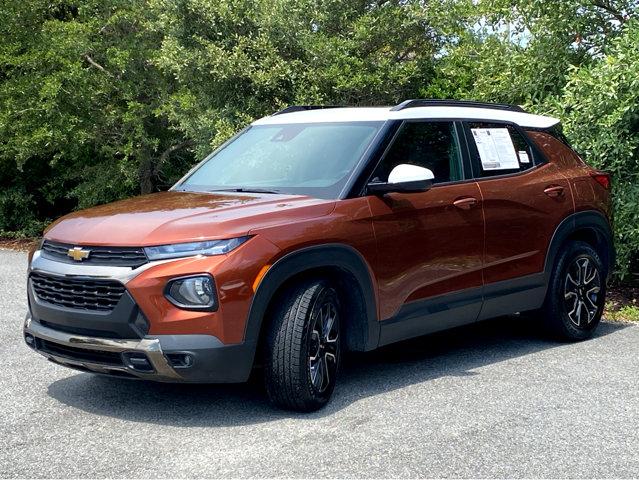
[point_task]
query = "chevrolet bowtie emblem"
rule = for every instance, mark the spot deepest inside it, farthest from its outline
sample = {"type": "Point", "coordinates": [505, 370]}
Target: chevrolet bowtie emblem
{"type": "Point", "coordinates": [78, 254]}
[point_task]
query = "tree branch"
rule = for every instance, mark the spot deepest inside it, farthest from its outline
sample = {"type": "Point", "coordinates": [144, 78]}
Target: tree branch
{"type": "Point", "coordinates": [610, 9]}
{"type": "Point", "coordinates": [173, 148]}
{"type": "Point", "coordinates": [95, 64]}
{"type": "Point", "coordinates": [149, 170]}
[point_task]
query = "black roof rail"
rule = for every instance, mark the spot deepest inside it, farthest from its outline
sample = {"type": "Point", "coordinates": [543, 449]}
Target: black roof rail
{"type": "Point", "coordinates": [455, 103]}
{"type": "Point", "coordinates": [301, 108]}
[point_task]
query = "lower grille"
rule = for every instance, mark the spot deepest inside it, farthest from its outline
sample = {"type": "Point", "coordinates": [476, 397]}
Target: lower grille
{"type": "Point", "coordinates": [87, 332]}
{"type": "Point", "coordinates": [88, 294]}
{"type": "Point", "coordinates": [80, 354]}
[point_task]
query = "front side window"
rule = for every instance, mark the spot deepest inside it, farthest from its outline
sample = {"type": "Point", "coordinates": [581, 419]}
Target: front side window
{"type": "Point", "coordinates": [499, 149]}
{"type": "Point", "coordinates": [305, 159]}
{"type": "Point", "coordinates": [431, 145]}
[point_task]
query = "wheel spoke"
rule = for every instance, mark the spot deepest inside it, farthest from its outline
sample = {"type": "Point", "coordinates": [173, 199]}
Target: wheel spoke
{"type": "Point", "coordinates": [324, 346]}
{"type": "Point", "coordinates": [588, 313]}
{"type": "Point", "coordinates": [331, 348]}
{"type": "Point", "coordinates": [330, 323]}
{"type": "Point", "coordinates": [314, 371]}
{"type": "Point", "coordinates": [325, 377]}
{"type": "Point", "coordinates": [593, 291]}
{"type": "Point", "coordinates": [315, 342]}
{"type": "Point", "coordinates": [320, 321]}
{"type": "Point", "coordinates": [319, 374]}
{"type": "Point", "coordinates": [578, 272]}
{"type": "Point", "coordinates": [572, 280]}
{"type": "Point", "coordinates": [578, 313]}
{"type": "Point", "coordinates": [591, 277]}
{"type": "Point", "coordinates": [570, 295]}
{"type": "Point", "coordinates": [590, 300]}
{"type": "Point", "coordinates": [571, 313]}
{"type": "Point", "coordinates": [584, 270]}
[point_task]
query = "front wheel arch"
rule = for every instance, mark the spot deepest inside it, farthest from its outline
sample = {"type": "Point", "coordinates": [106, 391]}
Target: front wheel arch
{"type": "Point", "coordinates": [342, 265]}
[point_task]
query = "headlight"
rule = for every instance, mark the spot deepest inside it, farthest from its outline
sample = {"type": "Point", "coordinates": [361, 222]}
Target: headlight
{"type": "Point", "coordinates": [34, 248]}
{"type": "Point", "coordinates": [196, 292]}
{"type": "Point", "coordinates": [211, 247]}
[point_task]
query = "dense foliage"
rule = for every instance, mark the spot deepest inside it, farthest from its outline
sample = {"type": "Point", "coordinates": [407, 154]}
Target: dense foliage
{"type": "Point", "coordinates": [104, 99]}
{"type": "Point", "coordinates": [600, 108]}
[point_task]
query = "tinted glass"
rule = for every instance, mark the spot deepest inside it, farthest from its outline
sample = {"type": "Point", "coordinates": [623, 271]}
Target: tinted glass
{"type": "Point", "coordinates": [499, 149]}
{"type": "Point", "coordinates": [431, 145]}
{"type": "Point", "coordinates": [306, 159]}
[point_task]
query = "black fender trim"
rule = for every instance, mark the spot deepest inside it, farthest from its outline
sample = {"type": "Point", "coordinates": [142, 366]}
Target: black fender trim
{"type": "Point", "coordinates": [336, 255]}
{"type": "Point", "coordinates": [586, 220]}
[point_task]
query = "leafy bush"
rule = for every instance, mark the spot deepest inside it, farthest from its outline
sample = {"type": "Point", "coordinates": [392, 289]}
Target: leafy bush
{"type": "Point", "coordinates": [17, 214]}
{"type": "Point", "coordinates": [104, 99]}
{"type": "Point", "coordinates": [600, 111]}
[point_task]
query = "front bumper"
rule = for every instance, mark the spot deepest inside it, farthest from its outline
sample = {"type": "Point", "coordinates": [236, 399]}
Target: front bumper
{"type": "Point", "coordinates": [159, 358]}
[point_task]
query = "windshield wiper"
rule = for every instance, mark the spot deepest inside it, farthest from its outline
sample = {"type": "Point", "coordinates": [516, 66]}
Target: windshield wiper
{"type": "Point", "coordinates": [245, 190]}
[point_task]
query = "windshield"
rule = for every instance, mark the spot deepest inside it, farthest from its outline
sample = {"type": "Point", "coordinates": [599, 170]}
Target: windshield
{"type": "Point", "coordinates": [306, 159]}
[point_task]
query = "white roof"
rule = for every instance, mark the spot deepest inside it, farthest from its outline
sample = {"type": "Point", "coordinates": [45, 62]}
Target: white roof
{"type": "Point", "coordinates": [372, 114]}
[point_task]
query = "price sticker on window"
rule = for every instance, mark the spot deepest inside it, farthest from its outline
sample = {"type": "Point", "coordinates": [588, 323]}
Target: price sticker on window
{"type": "Point", "coordinates": [496, 149]}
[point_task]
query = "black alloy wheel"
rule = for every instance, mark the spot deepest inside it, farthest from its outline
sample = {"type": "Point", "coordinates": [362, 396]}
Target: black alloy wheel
{"type": "Point", "coordinates": [582, 289]}
{"type": "Point", "coordinates": [302, 348]}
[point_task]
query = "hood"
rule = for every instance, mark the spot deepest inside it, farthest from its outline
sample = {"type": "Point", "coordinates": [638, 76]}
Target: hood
{"type": "Point", "coordinates": [174, 217]}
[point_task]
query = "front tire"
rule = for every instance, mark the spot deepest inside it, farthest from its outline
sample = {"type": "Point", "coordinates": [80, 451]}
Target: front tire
{"type": "Point", "coordinates": [302, 351]}
{"type": "Point", "coordinates": [576, 293]}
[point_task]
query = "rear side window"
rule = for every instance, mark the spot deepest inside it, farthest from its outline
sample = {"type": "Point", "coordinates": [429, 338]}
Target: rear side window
{"type": "Point", "coordinates": [431, 145]}
{"type": "Point", "coordinates": [499, 149]}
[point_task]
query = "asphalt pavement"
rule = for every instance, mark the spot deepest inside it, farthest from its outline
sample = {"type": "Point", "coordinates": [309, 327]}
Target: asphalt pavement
{"type": "Point", "coordinates": [495, 399]}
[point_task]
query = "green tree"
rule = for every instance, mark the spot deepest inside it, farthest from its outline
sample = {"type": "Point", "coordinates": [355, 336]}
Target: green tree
{"type": "Point", "coordinates": [104, 99]}
{"type": "Point", "coordinates": [520, 51]}
{"type": "Point", "coordinates": [80, 105]}
{"type": "Point", "coordinates": [237, 60]}
{"type": "Point", "coordinates": [600, 109]}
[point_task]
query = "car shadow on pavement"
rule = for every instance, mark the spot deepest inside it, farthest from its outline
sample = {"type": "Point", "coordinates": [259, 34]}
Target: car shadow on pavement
{"type": "Point", "coordinates": [457, 352]}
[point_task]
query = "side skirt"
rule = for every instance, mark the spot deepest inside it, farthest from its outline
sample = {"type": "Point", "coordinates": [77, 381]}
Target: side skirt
{"type": "Point", "coordinates": [432, 315]}
{"type": "Point", "coordinates": [512, 296]}
{"type": "Point", "coordinates": [461, 308]}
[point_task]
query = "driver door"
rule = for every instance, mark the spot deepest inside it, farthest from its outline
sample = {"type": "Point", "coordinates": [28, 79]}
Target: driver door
{"type": "Point", "coordinates": [430, 244]}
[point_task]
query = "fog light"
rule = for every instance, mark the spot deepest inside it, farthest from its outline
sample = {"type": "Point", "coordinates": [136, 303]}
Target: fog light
{"type": "Point", "coordinates": [30, 340]}
{"type": "Point", "coordinates": [180, 360]}
{"type": "Point", "coordinates": [137, 361]}
{"type": "Point", "coordinates": [192, 293]}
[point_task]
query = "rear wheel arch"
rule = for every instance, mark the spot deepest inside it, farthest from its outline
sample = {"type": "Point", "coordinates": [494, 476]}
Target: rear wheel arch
{"type": "Point", "coordinates": [588, 226]}
{"type": "Point", "coordinates": [340, 264]}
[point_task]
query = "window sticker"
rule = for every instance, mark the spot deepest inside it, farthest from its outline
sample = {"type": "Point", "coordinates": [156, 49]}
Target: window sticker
{"type": "Point", "coordinates": [523, 156]}
{"type": "Point", "coordinates": [496, 149]}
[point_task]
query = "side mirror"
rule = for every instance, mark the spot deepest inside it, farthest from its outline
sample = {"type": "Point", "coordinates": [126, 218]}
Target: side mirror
{"type": "Point", "coordinates": [404, 178]}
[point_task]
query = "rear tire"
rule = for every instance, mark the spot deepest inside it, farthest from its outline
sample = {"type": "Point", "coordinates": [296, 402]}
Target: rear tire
{"type": "Point", "coordinates": [576, 293]}
{"type": "Point", "coordinates": [302, 351]}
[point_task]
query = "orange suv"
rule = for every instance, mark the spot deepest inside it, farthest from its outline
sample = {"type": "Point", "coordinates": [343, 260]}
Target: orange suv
{"type": "Point", "coordinates": [319, 230]}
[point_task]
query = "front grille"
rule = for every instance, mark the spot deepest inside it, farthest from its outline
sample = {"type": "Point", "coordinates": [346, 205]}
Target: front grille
{"type": "Point", "coordinates": [87, 294]}
{"type": "Point", "coordinates": [81, 354]}
{"type": "Point", "coordinates": [111, 256]}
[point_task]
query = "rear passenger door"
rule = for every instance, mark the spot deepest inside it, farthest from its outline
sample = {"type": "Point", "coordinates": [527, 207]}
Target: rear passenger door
{"type": "Point", "coordinates": [524, 199]}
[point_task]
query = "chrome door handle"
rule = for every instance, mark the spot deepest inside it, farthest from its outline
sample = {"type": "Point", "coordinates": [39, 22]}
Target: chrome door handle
{"type": "Point", "coordinates": [554, 191]}
{"type": "Point", "coordinates": [465, 203]}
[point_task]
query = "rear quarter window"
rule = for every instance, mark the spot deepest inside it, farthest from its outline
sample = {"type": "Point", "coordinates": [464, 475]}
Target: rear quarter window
{"type": "Point", "coordinates": [498, 149]}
